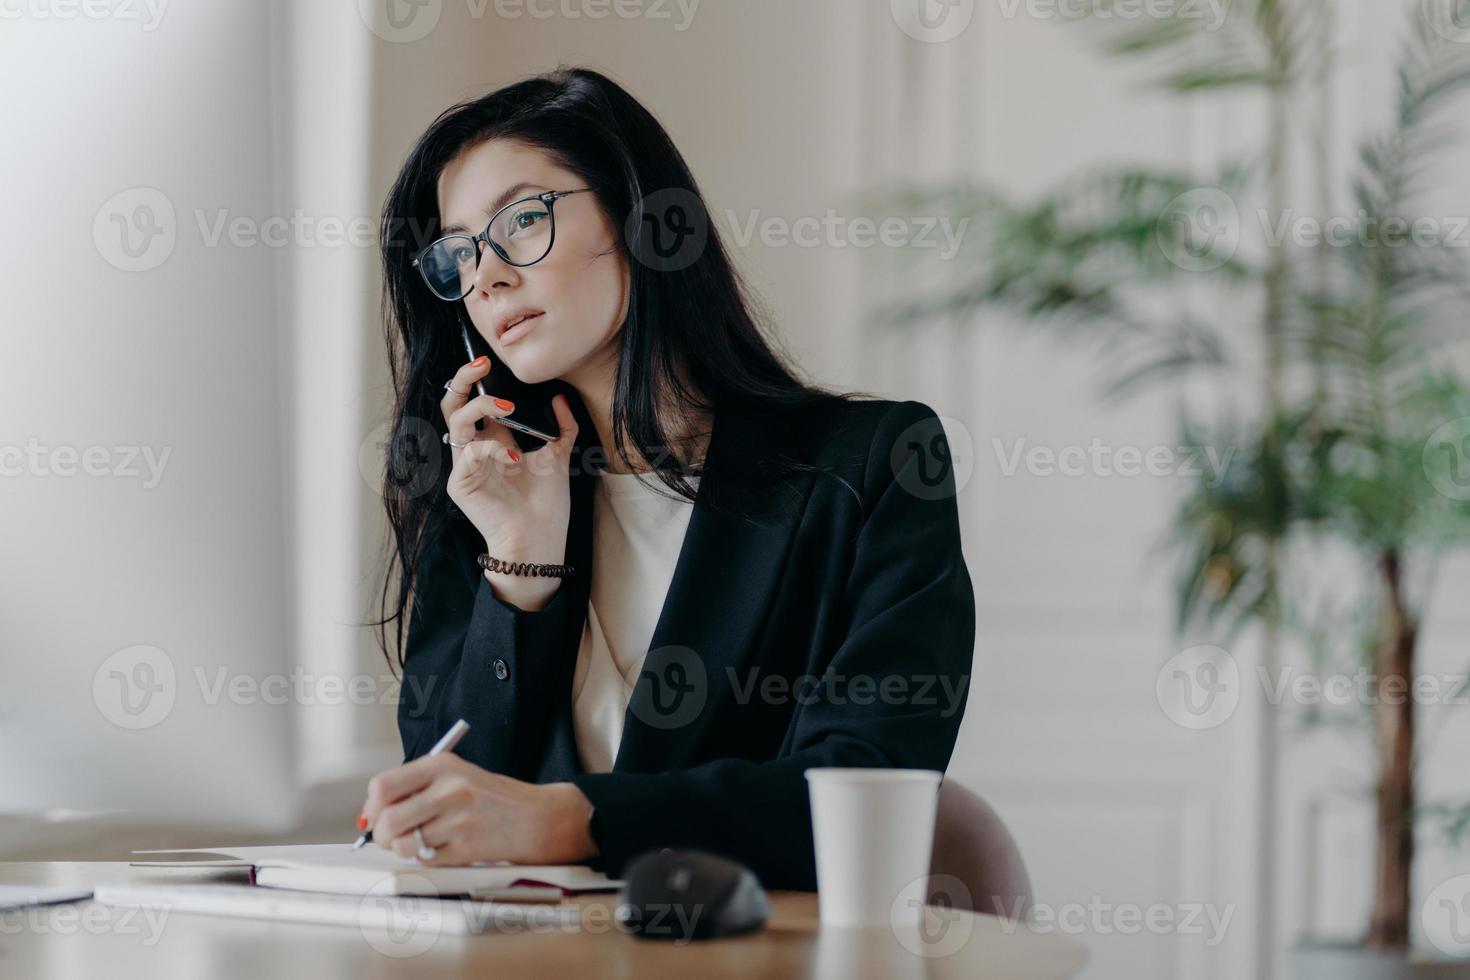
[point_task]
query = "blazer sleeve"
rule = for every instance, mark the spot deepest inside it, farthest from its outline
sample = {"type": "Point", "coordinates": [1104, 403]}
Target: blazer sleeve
{"type": "Point", "coordinates": [469, 654]}
{"type": "Point", "coordinates": [911, 622]}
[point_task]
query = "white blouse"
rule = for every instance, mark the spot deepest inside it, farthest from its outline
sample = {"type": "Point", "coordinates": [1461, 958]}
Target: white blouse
{"type": "Point", "coordinates": [638, 528]}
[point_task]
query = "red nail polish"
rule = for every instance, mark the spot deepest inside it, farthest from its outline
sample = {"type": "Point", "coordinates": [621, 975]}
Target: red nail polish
{"type": "Point", "coordinates": [504, 405]}
{"type": "Point", "coordinates": [515, 457]}
{"type": "Point", "coordinates": [480, 361]}
{"type": "Point", "coordinates": [361, 821]}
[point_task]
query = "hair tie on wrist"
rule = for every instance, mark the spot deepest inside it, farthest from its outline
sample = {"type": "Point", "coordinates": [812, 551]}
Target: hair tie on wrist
{"type": "Point", "coordinates": [532, 569]}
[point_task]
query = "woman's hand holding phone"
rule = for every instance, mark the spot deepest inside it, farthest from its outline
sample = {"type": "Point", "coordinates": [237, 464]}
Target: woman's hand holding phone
{"type": "Point", "coordinates": [521, 504]}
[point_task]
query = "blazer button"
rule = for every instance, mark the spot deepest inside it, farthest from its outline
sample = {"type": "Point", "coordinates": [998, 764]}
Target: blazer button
{"type": "Point", "coordinates": [502, 671]}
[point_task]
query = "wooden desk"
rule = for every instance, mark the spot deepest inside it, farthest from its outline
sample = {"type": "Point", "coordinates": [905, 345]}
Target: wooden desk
{"type": "Point", "coordinates": [89, 940]}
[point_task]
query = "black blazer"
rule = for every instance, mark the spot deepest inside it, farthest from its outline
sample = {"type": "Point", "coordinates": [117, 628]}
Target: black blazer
{"type": "Point", "coordinates": [831, 625]}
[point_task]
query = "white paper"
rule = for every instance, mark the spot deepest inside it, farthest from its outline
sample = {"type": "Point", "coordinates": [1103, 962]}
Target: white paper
{"type": "Point", "coordinates": [19, 896]}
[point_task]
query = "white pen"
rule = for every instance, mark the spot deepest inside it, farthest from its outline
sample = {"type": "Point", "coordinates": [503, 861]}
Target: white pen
{"type": "Point", "coordinates": [445, 744]}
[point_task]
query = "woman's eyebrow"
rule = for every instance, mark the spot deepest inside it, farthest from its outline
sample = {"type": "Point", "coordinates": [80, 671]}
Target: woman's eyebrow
{"type": "Point", "coordinates": [506, 196]}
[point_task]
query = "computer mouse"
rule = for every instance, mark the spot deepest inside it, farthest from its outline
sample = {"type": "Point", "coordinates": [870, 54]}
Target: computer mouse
{"type": "Point", "coordinates": [672, 894]}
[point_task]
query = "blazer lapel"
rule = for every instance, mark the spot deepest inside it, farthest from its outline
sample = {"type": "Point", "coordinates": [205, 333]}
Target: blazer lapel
{"type": "Point", "coordinates": [723, 582]}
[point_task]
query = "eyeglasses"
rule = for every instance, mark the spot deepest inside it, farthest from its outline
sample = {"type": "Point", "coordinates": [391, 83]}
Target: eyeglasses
{"type": "Point", "coordinates": [521, 233]}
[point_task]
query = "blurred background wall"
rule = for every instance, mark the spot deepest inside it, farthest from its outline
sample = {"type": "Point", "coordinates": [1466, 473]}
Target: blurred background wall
{"type": "Point", "coordinates": [786, 110]}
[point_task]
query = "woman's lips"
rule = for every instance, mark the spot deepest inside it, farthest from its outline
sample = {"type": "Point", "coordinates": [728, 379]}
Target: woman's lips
{"type": "Point", "coordinates": [520, 329]}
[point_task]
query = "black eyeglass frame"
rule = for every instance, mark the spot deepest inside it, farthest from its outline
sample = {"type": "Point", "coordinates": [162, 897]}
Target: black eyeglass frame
{"type": "Point", "coordinates": [548, 198]}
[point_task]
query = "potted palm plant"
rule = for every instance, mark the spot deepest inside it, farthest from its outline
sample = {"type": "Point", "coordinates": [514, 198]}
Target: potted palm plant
{"type": "Point", "coordinates": [1355, 431]}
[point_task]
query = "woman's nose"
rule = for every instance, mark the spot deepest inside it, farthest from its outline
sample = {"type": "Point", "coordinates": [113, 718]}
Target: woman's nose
{"type": "Point", "coordinates": [491, 270]}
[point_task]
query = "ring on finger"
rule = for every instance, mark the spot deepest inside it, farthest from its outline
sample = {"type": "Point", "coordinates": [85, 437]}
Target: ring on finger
{"type": "Point", "coordinates": [449, 386]}
{"type": "Point", "coordinates": [448, 441]}
{"type": "Point", "coordinates": [426, 853]}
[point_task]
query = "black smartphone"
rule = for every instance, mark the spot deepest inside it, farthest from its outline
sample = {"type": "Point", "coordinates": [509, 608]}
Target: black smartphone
{"type": "Point", "coordinates": [533, 422]}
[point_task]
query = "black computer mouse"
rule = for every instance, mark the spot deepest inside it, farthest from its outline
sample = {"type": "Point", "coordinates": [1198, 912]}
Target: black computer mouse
{"type": "Point", "coordinates": [690, 895]}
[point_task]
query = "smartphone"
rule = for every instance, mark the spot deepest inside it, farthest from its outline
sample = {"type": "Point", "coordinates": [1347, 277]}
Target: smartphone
{"type": "Point", "coordinates": [533, 416]}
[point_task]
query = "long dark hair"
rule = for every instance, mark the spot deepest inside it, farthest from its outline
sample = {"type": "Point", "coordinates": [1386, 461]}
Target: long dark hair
{"type": "Point", "coordinates": [690, 341]}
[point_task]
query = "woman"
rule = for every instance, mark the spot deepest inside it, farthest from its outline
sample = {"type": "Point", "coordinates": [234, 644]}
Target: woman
{"type": "Point", "coordinates": [764, 576]}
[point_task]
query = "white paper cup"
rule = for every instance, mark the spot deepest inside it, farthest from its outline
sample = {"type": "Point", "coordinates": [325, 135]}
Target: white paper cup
{"type": "Point", "coordinates": [873, 830]}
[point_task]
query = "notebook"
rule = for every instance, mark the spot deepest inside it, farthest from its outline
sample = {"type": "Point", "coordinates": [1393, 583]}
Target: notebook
{"type": "Point", "coordinates": [372, 870]}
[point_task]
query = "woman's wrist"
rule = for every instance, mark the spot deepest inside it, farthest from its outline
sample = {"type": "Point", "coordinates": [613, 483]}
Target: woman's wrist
{"type": "Point", "coordinates": [529, 592]}
{"type": "Point", "coordinates": [569, 828]}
